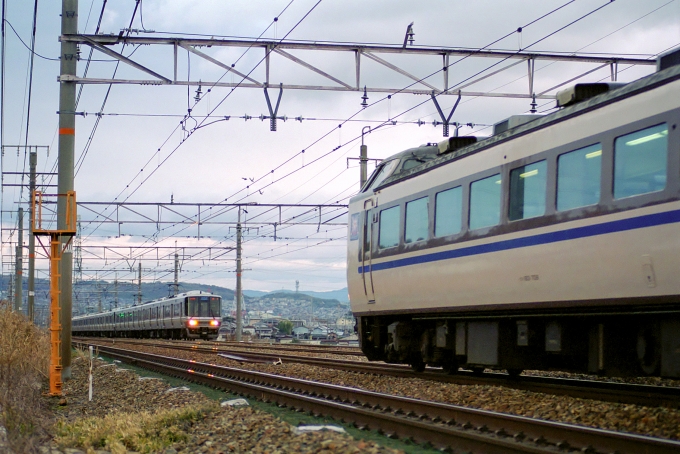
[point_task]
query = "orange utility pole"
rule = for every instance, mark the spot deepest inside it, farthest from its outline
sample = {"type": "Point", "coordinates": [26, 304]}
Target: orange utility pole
{"type": "Point", "coordinates": [54, 254]}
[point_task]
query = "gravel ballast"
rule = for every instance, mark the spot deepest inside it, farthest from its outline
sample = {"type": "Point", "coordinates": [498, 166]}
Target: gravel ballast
{"type": "Point", "coordinates": [227, 429]}
{"type": "Point", "coordinates": [654, 421]}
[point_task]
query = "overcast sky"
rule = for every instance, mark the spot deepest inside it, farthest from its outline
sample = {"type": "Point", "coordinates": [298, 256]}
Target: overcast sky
{"type": "Point", "coordinates": [216, 162]}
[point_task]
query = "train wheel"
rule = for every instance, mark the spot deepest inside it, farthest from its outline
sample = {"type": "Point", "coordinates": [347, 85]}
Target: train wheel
{"type": "Point", "coordinates": [513, 373]}
{"type": "Point", "coordinates": [418, 365]}
{"type": "Point", "coordinates": [450, 367]}
{"type": "Point", "coordinates": [649, 349]}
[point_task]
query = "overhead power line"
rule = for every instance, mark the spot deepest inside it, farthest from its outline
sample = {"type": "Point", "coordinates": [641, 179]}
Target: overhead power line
{"type": "Point", "coordinates": [350, 120]}
{"type": "Point", "coordinates": [290, 173]}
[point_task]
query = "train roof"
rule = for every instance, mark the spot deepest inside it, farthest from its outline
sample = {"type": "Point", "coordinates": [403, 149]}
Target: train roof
{"type": "Point", "coordinates": [427, 149]}
{"type": "Point", "coordinates": [634, 88]}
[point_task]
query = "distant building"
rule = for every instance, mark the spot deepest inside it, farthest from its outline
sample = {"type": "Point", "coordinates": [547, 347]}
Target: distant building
{"type": "Point", "coordinates": [249, 330]}
{"type": "Point", "coordinates": [263, 330]}
{"type": "Point", "coordinates": [319, 333]}
{"type": "Point", "coordinates": [301, 332]}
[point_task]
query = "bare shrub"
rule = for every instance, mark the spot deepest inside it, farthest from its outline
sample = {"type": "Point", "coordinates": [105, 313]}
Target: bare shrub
{"type": "Point", "coordinates": [24, 367]}
{"type": "Point", "coordinates": [142, 432]}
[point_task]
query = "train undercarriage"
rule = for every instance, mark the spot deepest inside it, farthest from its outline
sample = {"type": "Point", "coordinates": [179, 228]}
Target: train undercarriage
{"type": "Point", "coordinates": [176, 333]}
{"type": "Point", "coordinates": [609, 345]}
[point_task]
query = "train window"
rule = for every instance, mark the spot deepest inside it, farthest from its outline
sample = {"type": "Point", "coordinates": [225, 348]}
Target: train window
{"type": "Point", "coordinates": [527, 191]}
{"type": "Point", "coordinates": [203, 306]}
{"type": "Point", "coordinates": [640, 161]}
{"type": "Point", "coordinates": [215, 309]}
{"type": "Point", "coordinates": [578, 177]}
{"type": "Point", "coordinates": [389, 228]}
{"type": "Point", "coordinates": [448, 212]}
{"type": "Point", "coordinates": [485, 202]}
{"type": "Point", "coordinates": [416, 221]}
{"type": "Point", "coordinates": [381, 172]}
{"type": "Point", "coordinates": [177, 309]}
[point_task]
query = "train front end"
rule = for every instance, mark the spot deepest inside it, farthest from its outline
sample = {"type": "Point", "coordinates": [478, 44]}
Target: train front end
{"type": "Point", "coordinates": [203, 315]}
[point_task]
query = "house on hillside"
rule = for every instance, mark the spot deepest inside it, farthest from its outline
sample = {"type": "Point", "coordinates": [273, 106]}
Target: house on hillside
{"type": "Point", "coordinates": [301, 332]}
{"type": "Point", "coordinates": [319, 333]}
{"type": "Point", "coordinates": [263, 330]}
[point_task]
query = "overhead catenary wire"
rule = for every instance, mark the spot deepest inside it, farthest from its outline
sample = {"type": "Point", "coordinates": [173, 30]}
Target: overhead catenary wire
{"type": "Point", "coordinates": [187, 115]}
{"type": "Point", "coordinates": [419, 104]}
{"type": "Point", "coordinates": [30, 48]}
{"type": "Point", "coordinates": [491, 66]}
{"type": "Point", "coordinates": [85, 151]}
{"type": "Point", "coordinates": [30, 92]}
{"type": "Point", "coordinates": [374, 103]}
{"type": "Point", "coordinates": [147, 176]}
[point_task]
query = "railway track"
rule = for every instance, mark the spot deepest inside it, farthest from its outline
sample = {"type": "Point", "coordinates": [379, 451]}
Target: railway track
{"type": "Point", "coordinates": [644, 395]}
{"type": "Point", "coordinates": [443, 426]}
{"type": "Point", "coordinates": [298, 348]}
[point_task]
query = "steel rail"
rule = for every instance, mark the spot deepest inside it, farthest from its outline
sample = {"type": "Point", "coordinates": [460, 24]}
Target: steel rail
{"type": "Point", "coordinates": [645, 395]}
{"type": "Point", "coordinates": [443, 425]}
{"type": "Point", "coordinates": [326, 349]}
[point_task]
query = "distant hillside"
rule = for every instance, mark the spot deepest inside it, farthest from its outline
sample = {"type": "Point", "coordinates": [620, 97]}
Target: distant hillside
{"type": "Point", "coordinates": [340, 295]}
{"type": "Point", "coordinates": [254, 293]}
{"type": "Point", "coordinates": [89, 293]}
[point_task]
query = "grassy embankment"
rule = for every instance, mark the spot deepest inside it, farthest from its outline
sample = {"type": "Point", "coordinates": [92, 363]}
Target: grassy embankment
{"type": "Point", "coordinates": [24, 366]}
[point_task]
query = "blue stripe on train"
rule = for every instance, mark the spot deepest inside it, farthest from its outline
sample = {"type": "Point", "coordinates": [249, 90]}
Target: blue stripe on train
{"type": "Point", "coordinates": [622, 225]}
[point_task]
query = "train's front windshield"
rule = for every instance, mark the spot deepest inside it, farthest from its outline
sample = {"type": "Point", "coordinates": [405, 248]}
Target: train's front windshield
{"type": "Point", "coordinates": [381, 172]}
{"type": "Point", "coordinates": [203, 306]}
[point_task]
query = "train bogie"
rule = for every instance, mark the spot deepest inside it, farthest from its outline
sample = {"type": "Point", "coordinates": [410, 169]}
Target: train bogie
{"type": "Point", "coordinates": [602, 345]}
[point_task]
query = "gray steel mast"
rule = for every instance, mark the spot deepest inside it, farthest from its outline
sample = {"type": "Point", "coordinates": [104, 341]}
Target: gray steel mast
{"type": "Point", "coordinates": [67, 131]}
{"type": "Point", "coordinates": [33, 161]}
{"type": "Point", "coordinates": [19, 263]}
{"type": "Point", "coordinates": [239, 315]}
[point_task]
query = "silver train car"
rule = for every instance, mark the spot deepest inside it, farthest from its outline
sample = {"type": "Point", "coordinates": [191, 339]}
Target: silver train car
{"type": "Point", "coordinates": [552, 245]}
{"type": "Point", "coordinates": [190, 315]}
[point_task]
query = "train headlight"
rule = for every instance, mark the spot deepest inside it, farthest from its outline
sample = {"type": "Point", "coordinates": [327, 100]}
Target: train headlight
{"type": "Point", "coordinates": [193, 322]}
{"type": "Point", "coordinates": [214, 323]}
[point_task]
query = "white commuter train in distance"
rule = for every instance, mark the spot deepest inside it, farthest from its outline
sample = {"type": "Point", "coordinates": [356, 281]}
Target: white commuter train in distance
{"type": "Point", "coordinates": [191, 315]}
{"type": "Point", "coordinates": [552, 245]}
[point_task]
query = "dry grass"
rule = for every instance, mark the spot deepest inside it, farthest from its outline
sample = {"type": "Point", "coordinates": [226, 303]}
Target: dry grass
{"type": "Point", "coordinates": [141, 432]}
{"type": "Point", "coordinates": [24, 366]}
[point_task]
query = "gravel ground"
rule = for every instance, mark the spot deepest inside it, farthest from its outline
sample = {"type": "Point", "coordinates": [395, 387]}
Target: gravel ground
{"type": "Point", "coordinates": [228, 430]}
{"type": "Point", "coordinates": [654, 421]}
{"type": "Point", "coordinates": [272, 349]}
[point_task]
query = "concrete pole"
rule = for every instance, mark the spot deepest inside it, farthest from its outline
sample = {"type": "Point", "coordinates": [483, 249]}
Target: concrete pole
{"type": "Point", "coordinates": [115, 290]}
{"type": "Point", "coordinates": [239, 315]}
{"type": "Point", "coordinates": [10, 290]}
{"type": "Point", "coordinates": [363, 158]}
{"type": "Point", "coordinates": [176, 284]}
{"type": "Point", "coordinates": [19, 263]}
{"type": "Point", "coordinates": [67, 131]}
{"type": "Point", "coordinates": [33, 160]}
{"type": "Point", "coordinates": [139, 285]}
